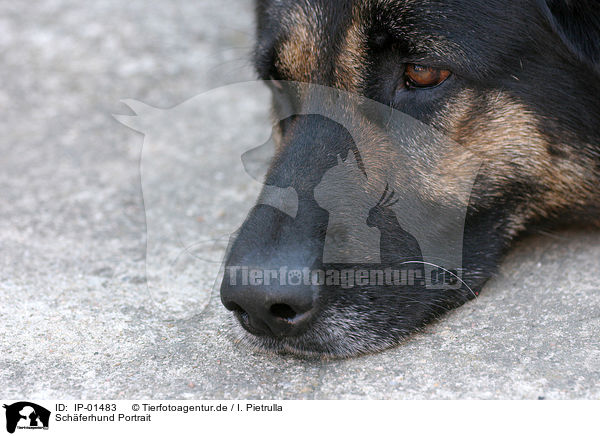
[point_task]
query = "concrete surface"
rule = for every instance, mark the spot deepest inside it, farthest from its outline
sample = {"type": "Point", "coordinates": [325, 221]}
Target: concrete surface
{"type": "Point", "coordinates": [76, 319]}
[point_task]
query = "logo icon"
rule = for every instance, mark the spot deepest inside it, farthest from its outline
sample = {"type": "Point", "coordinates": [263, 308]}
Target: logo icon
{"type": "Point", "coordinates": [26, 415]}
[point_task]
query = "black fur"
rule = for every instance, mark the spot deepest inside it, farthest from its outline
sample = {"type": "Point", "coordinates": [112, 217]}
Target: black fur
{"type": "Point", "coordinates": [544, 54]}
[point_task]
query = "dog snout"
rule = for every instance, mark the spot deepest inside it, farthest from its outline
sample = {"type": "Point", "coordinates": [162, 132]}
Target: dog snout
{"type": "Point", "coordinates": [268, 274]}
{"type": "Point", "coordinates": [267, 279]}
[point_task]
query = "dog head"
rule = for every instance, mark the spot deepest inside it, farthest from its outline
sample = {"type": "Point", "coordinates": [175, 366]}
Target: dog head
{"type": "Point", "coordinates": [510, 85]}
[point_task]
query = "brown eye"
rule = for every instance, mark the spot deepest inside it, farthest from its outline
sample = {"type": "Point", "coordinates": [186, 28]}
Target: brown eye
{"type": "Point", "coordinates": [419, 76]}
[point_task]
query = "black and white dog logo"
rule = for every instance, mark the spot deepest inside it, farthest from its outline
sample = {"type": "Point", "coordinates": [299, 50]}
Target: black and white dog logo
{"type": "Point", "coordinates": [26, 415]}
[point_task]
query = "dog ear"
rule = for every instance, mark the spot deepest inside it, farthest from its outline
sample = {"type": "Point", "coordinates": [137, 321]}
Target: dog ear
{"type": "Point", "coordinates": [577, 23]}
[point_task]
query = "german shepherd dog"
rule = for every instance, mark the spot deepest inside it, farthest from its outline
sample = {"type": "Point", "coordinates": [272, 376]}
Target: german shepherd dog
{"type": "Point", "coordinates": [515, 82]}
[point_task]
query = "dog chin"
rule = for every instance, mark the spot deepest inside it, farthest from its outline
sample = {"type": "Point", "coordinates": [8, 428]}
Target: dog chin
{"type": "Point", "coordinates": [337, 343]}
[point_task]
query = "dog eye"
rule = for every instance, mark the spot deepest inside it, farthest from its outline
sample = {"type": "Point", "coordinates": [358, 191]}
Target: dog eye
{"type": "Point", "coordinates": [419, 76]}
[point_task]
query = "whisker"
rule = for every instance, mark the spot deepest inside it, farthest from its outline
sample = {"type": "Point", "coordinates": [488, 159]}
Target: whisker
{"type": "Point", "coordinates": [444, 269]}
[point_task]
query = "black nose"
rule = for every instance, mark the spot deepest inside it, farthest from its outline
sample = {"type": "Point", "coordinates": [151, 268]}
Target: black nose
{"type": "Point", "coordinates": [270, 310]}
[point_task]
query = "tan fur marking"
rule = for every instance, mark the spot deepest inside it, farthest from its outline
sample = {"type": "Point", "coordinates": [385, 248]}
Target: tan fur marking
{"type": "Point", "coordinates": [298, 54]}
{"type": "Point", "coordinates": [507, 141]}
{"type": "Point", "coordinates": [351, 60]}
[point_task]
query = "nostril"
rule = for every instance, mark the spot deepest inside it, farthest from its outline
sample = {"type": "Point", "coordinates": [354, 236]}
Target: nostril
{"type": "Point", "coordinates": [234, 307]}
{"type": "Point", "coordinates": [283, 311]}
{"type": "Point", "coordinates": [238, 311]}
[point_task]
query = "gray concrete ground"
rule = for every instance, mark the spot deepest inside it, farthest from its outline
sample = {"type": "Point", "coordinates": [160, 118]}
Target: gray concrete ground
{"type": "Point", "coordinates": [75, 314]}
